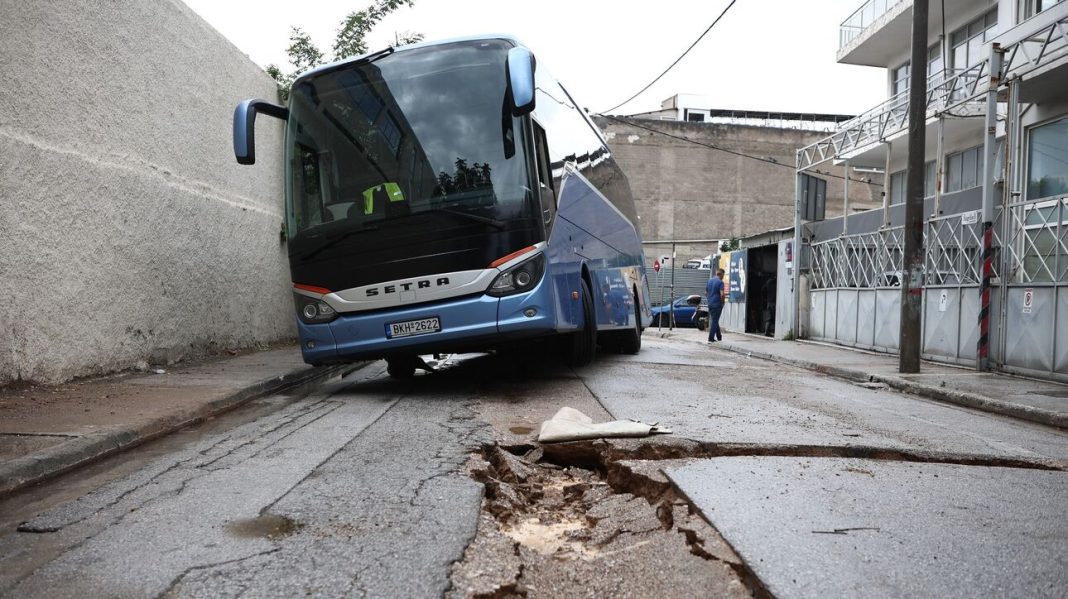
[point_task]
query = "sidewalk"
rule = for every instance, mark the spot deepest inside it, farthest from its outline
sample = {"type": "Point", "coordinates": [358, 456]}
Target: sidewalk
{"type": "Point", "coordinates": [1018, 397]}
{"type": "Point", "coordinates": [47, 430]}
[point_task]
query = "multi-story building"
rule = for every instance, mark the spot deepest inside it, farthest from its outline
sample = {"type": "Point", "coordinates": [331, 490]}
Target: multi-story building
{"type": "Point", "coordinates": [849, 293]}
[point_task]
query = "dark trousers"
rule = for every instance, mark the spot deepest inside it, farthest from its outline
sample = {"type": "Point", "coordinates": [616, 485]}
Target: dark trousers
{"type": "Point", "coordinates": [713, 323]}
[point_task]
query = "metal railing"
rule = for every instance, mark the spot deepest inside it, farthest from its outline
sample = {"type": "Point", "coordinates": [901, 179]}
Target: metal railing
{"type": "Point", "coordinates": [863, 260]}
{"type": "Point", "coordinates": [1036, 247]}
{"type": "Point", "coordinates": [861, 19]}
{"type": "Point", "coordinates": [953, 249]}
{"type": "Point", "coordinates": [1033, 236]}
{"type": "Point", "coordinates": [959, 92]}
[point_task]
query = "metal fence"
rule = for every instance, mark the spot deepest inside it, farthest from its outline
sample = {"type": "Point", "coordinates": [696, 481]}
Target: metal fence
{"type": "Point", "coordinates": [862, 260]}
{"type": "Point", "coordinates": [856, 295]}
{"type": "Point", "coordinates": [687, 281]}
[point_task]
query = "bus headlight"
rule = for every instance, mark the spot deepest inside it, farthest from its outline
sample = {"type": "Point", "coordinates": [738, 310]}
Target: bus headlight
{"type": "Point", "coordinates": [521, 277]}
{"type": "Point", "coordinates": [313, 311]}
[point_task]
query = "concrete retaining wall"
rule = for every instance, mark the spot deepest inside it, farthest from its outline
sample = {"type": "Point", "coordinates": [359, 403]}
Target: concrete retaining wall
{"type": "Point", "coordinates": [128, 232]}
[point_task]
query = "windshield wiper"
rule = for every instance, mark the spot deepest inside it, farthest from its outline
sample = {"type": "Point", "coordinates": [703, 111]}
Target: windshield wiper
{"type": "Point", "coordinates": [332, 242]}
{"type": "Point", "coordinates": [371, 226]}
{"type": "Point", "coordinates": [478, 219]}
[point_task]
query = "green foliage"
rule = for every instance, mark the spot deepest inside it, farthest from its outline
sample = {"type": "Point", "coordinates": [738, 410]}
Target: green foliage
{"type": "Point", "coordinates": [349, 41]}
{"type": "Point", "coordinates": [351, 37]}
{"type": "Point", "coordinates": [730, 245]}
{"type": "Point", "coordinates": [303, 54]}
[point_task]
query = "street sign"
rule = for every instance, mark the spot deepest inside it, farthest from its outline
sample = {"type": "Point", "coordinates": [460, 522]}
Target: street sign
{"type": "Point", "coordinates": [656, 266]}
{"type": "Point", "coordinates": [1029, 300]}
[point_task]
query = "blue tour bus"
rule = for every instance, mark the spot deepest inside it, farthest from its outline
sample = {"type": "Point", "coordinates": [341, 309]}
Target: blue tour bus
{"type": "Point", "coordinates": [447, 197]}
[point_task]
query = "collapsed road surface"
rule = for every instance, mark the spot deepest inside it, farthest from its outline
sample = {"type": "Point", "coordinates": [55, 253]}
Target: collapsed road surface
{"type": "Point", "coordinates": [776, 482]}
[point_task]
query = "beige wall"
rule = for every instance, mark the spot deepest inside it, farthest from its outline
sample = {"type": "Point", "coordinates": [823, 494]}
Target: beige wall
{"type": "Point", "coordinates": [687, 191]}
{"type": "Point", "coordinates": [128, 232]}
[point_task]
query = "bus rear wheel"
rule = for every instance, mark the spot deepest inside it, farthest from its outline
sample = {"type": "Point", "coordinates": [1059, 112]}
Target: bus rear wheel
{"type": "Point", "coordinates": [582, 345]}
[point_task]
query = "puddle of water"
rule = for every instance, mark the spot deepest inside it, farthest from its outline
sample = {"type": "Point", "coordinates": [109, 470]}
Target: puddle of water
{"type": "Point", "coordinates": [268, 526]}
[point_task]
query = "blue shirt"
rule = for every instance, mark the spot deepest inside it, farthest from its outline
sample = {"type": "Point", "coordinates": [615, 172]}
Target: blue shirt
{"type": "Point", "coordinates": [714, 289]}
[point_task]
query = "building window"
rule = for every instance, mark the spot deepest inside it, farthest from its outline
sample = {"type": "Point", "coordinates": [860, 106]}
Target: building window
{"type": "Point", "coordinates": [898, 181]}
{"type": "Point", "coordinates": [901, 79]}
{"type": "Point", "coordinates": [1047, 160]}
{"type": "Point", "coordinates": [695, 117]}
{"type": "Point", "coordinates": [935, 66]}
{"type": "Point", "coordinates": [897, 187]}
{"type": "Point", "coordinates": [967, 42]}
{"type": "Point", "coordinates": [963, 168]}
{"type": "Point", "coordinates": [391, 132]}
{"type": "Point", "coordinates": [1030, 8]}
{"type": "Point", "coordinates": [813, 197]}
{"type": "Point", "coordinates": [1044, 255]}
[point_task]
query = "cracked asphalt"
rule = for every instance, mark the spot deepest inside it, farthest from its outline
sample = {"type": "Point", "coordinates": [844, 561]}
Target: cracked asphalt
{"type": "Point", "coordinates": [360, 487]}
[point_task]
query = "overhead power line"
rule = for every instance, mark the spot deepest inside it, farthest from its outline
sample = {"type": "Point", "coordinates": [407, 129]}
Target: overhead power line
{"type": "Point", "coordinates": [676, 60]}
{"type": "Point", "coordinates": [726, 150]}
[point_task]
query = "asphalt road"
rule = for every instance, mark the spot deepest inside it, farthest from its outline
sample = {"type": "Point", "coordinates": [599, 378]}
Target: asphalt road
{"type": "Point", "coordinates": [363, 487]}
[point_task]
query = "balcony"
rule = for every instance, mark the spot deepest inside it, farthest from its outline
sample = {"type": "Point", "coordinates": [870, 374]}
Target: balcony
{"type": "Point", "coordinates": [1035, 51]}
{"type": "Point", "coordinates": [862, 19]}
{"type": "Point", "coordinates": [879, 33]}
{"type": "Point", "coordinates": [875, 32]}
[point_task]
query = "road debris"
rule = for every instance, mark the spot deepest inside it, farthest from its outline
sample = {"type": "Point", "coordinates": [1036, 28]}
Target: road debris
{"type": "Point", "coordinates": [569, 424]}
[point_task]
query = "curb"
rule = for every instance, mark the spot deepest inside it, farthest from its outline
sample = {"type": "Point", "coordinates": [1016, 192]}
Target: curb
{"type": "Point", "coordinates": [961, 398]}
{"type": "Point", "coordinates": [79, 451]}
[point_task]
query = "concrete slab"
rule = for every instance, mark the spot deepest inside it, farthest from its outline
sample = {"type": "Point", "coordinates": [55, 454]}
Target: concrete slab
{"type": "Point", "coordinates": [867, 528]}
{"type": "Point", "coordinates": [1044, 402]}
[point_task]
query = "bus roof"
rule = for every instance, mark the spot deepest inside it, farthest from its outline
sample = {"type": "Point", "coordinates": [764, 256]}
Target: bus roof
{"type": "Point", "coordinates": [469, 38]}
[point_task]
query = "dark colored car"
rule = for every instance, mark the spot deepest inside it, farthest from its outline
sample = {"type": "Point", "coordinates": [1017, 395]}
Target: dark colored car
{"type": "Point", "coordinates": [686, 311]}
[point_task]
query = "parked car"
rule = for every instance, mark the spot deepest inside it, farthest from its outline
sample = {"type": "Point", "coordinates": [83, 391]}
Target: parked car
{"type": "Point", "coordinates": [699, 263]}
{"type": "Point", "coordinates": [685, 308]}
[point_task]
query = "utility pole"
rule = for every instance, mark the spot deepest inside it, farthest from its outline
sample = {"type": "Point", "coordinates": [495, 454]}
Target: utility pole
{"type": "Point", "coordinates": [990, 157]}
{"type": "Point", "coordinates": [913, 259]}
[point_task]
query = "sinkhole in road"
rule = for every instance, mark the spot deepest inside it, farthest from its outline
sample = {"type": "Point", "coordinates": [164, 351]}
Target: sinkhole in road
{"type": "Point", "coordinates": [600, 518]}
{"type": "Point", "coordinates": [580, 522]}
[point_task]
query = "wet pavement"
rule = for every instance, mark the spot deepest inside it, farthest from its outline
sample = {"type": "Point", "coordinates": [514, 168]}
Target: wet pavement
{"type": "Point", "coordinates": [368, 486]}
{"type": "Point", "coordinates": [876, 528]}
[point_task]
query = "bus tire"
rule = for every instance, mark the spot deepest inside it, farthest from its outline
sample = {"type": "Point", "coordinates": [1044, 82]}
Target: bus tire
{"type": "Point", "coordinates": [583, 344]}
{"type": "Point", "coordinates": [630, 342]}
{"type": "Point", "coordinates": [402, 367]}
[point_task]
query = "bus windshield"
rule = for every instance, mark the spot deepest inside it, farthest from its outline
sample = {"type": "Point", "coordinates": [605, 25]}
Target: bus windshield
{"type": "Point", "coordinates": [421, 138]}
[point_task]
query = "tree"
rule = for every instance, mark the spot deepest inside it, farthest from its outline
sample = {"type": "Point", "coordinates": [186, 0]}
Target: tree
{"type": "Point", "coordinates": [730, 245]}
{"type": "Point", "coordinates": [349, 41]}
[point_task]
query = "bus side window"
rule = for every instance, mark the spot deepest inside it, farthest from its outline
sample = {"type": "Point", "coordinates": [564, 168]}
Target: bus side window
{"type": "Point", "coordinates": [546, 193]}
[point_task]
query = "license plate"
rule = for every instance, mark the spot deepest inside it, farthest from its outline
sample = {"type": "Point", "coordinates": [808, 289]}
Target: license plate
{"type": "Point", "coordinates": [413, 327]}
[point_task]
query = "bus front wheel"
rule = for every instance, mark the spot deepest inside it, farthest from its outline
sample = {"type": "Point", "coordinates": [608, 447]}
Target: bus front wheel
{"type": "Point", "coordinates": [630, 342]}
{"type": "Point", "coordinates": [582, 345]}
{"type": "Point", "coordinates": [402, 367]}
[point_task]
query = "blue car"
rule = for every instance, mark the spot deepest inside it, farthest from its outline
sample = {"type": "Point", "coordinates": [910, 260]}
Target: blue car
{"type": "Point", "coordinates": [685, 308]}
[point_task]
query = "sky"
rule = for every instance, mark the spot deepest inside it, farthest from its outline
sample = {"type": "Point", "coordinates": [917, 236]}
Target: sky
{"type": "Point", "coordinates": [775, 55]}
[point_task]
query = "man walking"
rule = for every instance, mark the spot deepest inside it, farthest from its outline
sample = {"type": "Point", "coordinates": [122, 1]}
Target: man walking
{"type": "Point", "coordinates": [714, 290]}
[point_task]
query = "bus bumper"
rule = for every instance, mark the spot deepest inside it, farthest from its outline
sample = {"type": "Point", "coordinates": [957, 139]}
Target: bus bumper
{"type": "Point", "coordinates": [467, 324]}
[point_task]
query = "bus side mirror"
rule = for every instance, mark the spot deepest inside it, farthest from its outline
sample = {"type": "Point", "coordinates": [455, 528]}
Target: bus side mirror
{"type": "Point", "coordinates": [520, 72]}
{"type": "Point", "coordinates": [245, 126]}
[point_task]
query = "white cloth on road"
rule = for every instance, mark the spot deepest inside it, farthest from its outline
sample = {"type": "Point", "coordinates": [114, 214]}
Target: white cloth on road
{"type": "Point", "coordinates": [569, 424]}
